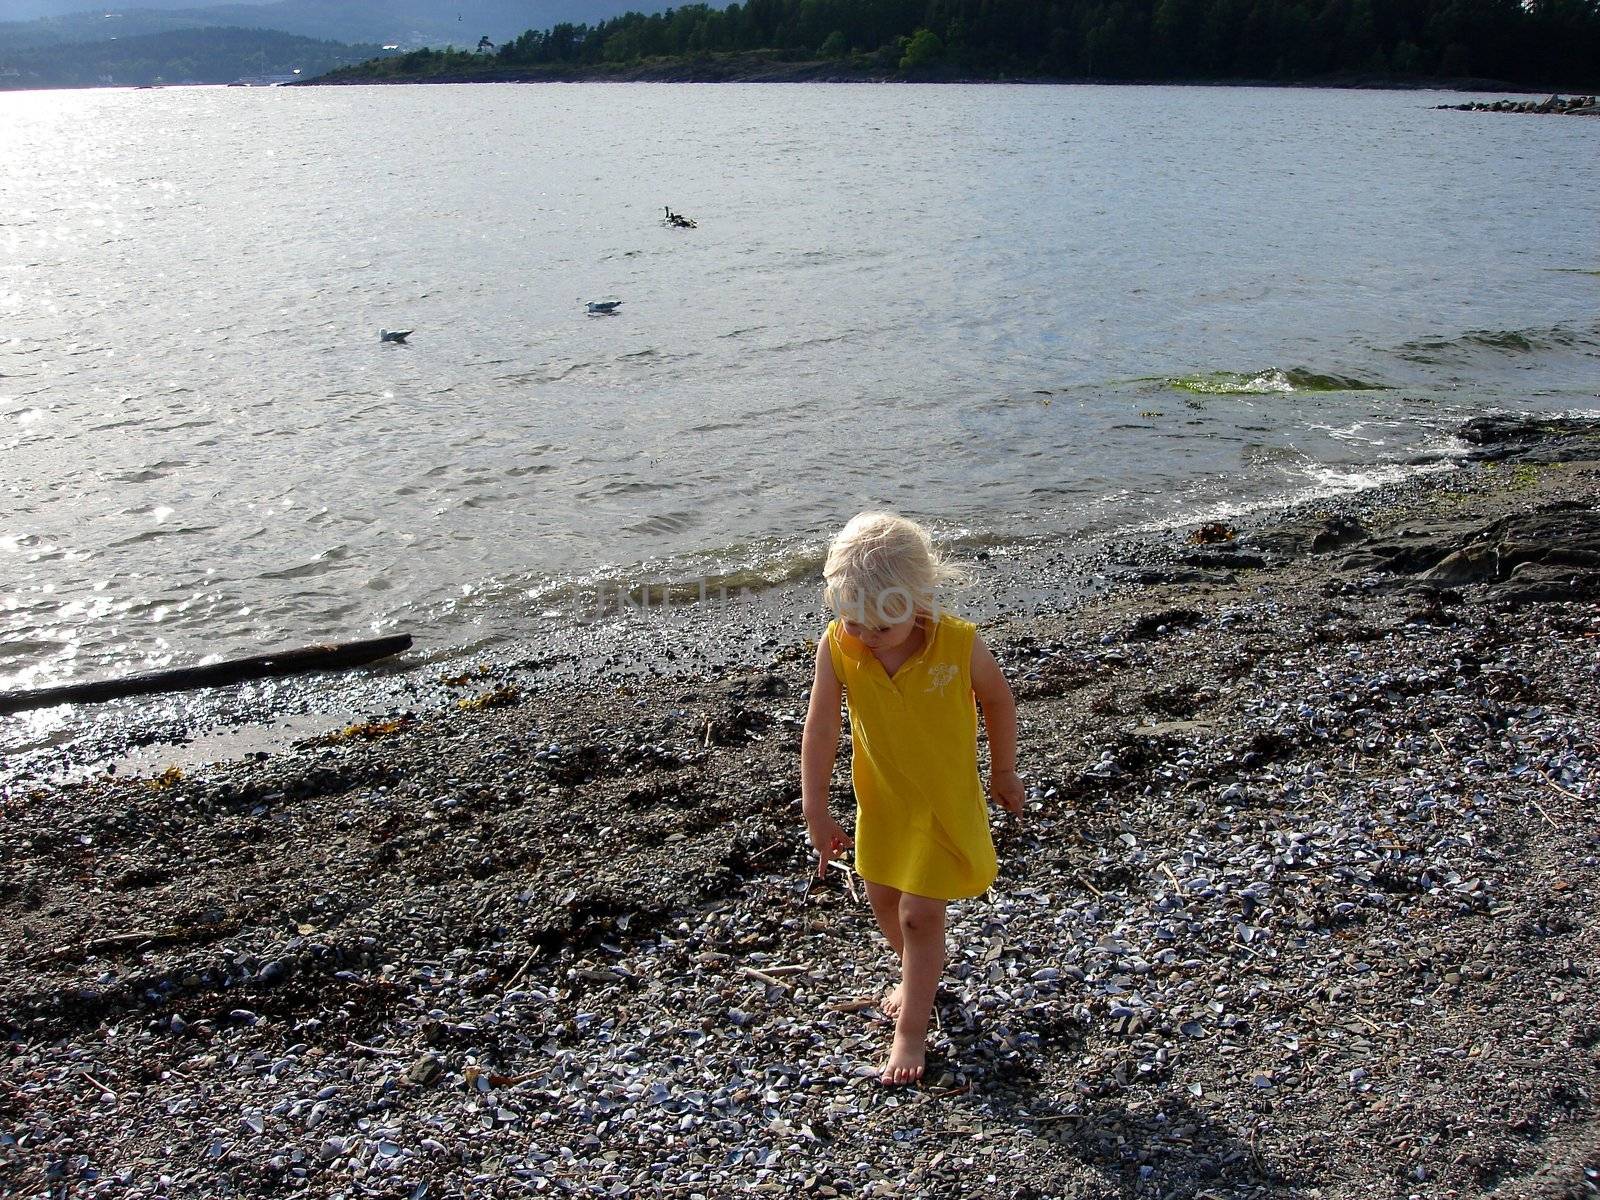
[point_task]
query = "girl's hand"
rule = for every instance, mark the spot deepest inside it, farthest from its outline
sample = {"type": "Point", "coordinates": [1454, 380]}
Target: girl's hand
{"type": "Point", "coordinates": [1006, 790]}
{"type": "Point", "coordinates": [829, 840]}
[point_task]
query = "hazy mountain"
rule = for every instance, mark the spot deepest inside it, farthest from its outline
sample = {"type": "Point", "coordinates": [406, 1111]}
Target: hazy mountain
{"type": "Point", "coordinates": [32, 10]}
{"type": "Point", "coordinates": [406, 23]}
{"type": "Point", "coordinates": [216, 55]}
{"type": "Point", "coordinates": [95, 27]}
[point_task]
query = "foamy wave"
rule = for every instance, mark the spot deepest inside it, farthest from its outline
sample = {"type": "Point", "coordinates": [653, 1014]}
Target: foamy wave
{"type": "Point", "coordinates": [1320, 482]}
{"type": "Point", "coordinates": [1274, 381]}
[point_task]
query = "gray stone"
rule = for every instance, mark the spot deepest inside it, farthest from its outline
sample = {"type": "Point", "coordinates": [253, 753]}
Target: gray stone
{"type": "Point", "coordinates": [425, 1071]}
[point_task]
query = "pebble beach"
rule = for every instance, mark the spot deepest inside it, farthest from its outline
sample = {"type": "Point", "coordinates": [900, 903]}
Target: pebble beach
{"type": "Point", "coordinates": [1303, 903]}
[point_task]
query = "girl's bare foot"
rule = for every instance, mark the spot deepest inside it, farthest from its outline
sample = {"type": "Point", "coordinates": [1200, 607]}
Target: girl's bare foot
{"type": "Point", "coordinates": [892, 1000]}
{"type": "Point", "coordinates": [905, 1064]}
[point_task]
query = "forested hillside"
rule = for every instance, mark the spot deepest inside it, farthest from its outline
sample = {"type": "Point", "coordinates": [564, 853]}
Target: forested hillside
{"type": "Point", "coordinates": [1542, 43]}
{"type": "Point", "coordinates": [407, 23]}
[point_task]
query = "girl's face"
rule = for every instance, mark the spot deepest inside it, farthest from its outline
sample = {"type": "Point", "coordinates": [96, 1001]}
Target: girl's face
{"type": "Point", "coordinates": [881, 638]}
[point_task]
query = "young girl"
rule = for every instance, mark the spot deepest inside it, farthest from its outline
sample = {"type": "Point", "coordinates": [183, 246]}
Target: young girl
{"type": "Point", "coordinates": [909, 674]}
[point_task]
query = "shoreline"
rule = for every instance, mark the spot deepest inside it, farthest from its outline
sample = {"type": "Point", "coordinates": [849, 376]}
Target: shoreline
{"type": "Point", "coordinates": [1304, 902]}
{"type": "Point", "coordinates": [596, 629]}
{"type": "Point", "coordinates": [759, 70]}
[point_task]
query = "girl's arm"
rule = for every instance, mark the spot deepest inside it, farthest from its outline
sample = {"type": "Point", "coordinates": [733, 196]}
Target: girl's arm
{"type": "Point", "coordinates": [1000, 719]}
{"type": "Point", "coordinates": [819, 747]}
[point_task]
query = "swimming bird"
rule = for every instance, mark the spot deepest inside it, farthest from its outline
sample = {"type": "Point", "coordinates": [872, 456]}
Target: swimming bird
{"type": "Point", "coordinates": [607, 305]}
{"type": "Point", "coordinates": [397, 336]}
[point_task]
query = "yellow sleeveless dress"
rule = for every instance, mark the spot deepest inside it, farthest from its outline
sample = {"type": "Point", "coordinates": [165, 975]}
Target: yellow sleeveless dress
{"type": "Point", "coordinates": [922, 823]}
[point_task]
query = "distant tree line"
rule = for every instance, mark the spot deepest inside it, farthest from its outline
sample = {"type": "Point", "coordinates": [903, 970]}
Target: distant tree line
{"type": "Point", "coordinates": [1535, 42]}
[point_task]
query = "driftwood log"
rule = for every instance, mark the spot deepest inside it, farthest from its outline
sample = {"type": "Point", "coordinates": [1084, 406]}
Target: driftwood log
{"type": "Point", "coordinates": [331, 656]}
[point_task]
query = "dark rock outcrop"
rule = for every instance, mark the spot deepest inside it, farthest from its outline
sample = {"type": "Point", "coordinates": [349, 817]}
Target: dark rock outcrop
{"type": "Point", "coordinates": [1550, 554]}
{"type": "Point", "coordinates": [1577, 106]}
{"type": "Point", "coordinates": [1529, 439]}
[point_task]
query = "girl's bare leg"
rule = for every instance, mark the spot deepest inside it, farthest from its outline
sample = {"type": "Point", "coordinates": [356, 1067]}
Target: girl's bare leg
{"type": "Point", "coordinates": [886, 908]}
{"type": "Point", "coordinates": [922, 962]}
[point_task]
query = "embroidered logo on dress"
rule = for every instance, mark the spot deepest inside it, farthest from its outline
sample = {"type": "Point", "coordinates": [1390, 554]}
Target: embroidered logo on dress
{"type": "Point", "coordinates": [940, 675]}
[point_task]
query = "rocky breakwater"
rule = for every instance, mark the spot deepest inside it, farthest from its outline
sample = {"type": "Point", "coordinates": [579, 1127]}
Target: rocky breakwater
{"type": "Point", "coordinates": [1576, 106]}
{"type": "Point", "coordinates": [1304, 903]}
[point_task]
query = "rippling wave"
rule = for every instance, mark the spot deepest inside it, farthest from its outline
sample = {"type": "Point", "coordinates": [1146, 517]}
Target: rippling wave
{"type": "Point", "coordinates": [1464, 347]}
{"type": "Point", "coordinates": [209, 450]}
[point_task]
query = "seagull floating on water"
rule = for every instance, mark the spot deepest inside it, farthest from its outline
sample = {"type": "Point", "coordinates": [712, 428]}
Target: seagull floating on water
{"type": "Point", "coordinates": [397, 336]}
{"type": "Point", "coordinates": [609, 305]}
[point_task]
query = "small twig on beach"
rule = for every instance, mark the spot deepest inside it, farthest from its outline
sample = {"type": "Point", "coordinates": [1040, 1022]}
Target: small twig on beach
{"type": "Point", "coordinates": [1440, 740]}
{"type": "Point", "coordinates": [852, 1006]}
{"type": "Point", "coordinates": [769, 980]}
{"type": "Point", "coordinates": [512, 982]}
{"type": "Point", "coordinates": [788, 969]}
{"type": "Point", "coordinates": [103, 1088]}
{"type": "Point", "coordinates": [849, 878]}
{"type": "Point", "coordinates": [1559, 788]}
{"type": "Point", "coordinates": [111, 942]}
{"type": "Point", "coordinates": [1089, 885]}
{"type": "Point", "coordinates": [707, 744]}
{"type": "Point", "coordinates": [1177, 887]}
{"type": "Point", "coordinates": [378, 1050]}
{"type": "Point", "coordinates": [1542, 812]}
{"type": "Point", "coordinates": [767, 851]}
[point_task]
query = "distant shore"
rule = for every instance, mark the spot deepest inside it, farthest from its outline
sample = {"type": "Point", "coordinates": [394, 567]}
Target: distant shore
{"type": "Point", "coordinates": [1304, 903]}
{"type": "Point", "coordinates": [758, 68]}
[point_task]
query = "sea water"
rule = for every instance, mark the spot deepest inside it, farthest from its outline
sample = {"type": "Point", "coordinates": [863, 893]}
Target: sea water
{"type": "Point", "coordinates": [1021, 313]}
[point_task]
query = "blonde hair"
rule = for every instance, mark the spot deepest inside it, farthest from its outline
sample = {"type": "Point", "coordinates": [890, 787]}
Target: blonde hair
{"type": "Point", "coordinates": [882, 568]}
